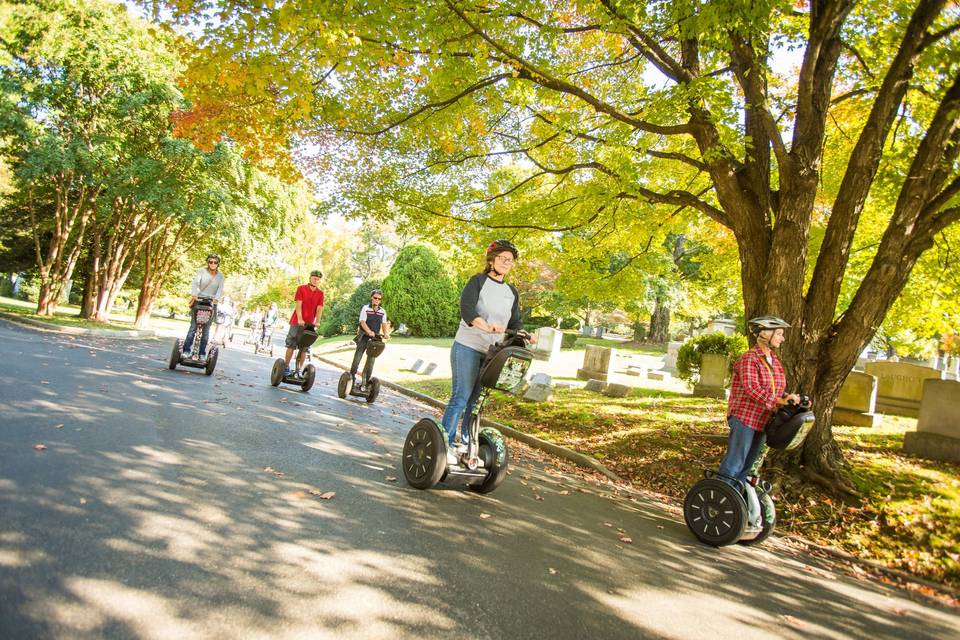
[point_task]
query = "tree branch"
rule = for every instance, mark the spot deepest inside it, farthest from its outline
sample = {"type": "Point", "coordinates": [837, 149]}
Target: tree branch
{"type": "Point", "coordinates": [529, 71]}
{"type": "Point", "coordinates": [449, 216]}
{"type": "Point", "coordinates": [486, 82]}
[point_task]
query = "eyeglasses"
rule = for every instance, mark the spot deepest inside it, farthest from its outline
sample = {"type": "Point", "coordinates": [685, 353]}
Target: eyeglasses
{"type": "Point", "coordinates": [377, 298]}
{"type": "Point", "coordinates": [505, 259]}
{"type": "Point", "coordinates": [213, 262]}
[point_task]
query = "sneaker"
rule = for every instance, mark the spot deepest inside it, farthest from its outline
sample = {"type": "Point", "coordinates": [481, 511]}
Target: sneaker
{"type": "Point", "coordinates": [287, 372]}
{"type": "Point", "coordinates": [452, 457]}
{"type": "Point", "coordinates": [463, 447]}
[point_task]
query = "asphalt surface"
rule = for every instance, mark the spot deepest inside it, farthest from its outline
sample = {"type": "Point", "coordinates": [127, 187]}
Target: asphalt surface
{"type": "Point", "coordinates": [168, 504]}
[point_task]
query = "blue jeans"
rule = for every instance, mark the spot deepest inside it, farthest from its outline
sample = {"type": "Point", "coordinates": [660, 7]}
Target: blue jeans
{"type": "Point", "coordinates": [742, 450]}
{"type": "Point", "coordinates": [188, 343]}
{"type": "Point", "coordinates": [465, 366]}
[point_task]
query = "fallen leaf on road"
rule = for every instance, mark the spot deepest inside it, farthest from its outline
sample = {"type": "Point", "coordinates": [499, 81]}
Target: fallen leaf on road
{"type": "Point", "coordinates": [40, 447]}
{"type": "Point", "coordinates": [83, 501]}
{"type": "Point", "coordinates": [484, 516]}
{"type": "Point", "coordinates": [44, 382]}
{"type": "Point", "coordinates": [564, 493]}
{"type": "Point", "coordinates": [323, 496]}
{"type": "Point", "coordinates": [273, 471]}
{"type": "Point", "coordinates": [793, 622]}
{"type": "Point", "coordinates": [58, 426]}
{"type": "Point", "coordinates": [607, 524]}
{"type": "Point", "coordinates": [538, 497]}
{"type": "Point", "coordinates": [390, 479]}
{"type": "Point", "coordinates": [552, 571]}
{"type": "Point", "coordinates": [626, 539]}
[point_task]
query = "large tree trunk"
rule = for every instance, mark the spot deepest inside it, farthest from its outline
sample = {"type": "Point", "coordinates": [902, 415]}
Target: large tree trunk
{"type": "Point", "coordinates": [160, 255]}
{"type": "Point", "coordinates": [659, 321]}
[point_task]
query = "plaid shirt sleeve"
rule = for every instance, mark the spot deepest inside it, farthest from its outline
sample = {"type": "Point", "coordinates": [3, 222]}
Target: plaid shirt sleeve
{"type": "Point", "coordinates": [754, 391]}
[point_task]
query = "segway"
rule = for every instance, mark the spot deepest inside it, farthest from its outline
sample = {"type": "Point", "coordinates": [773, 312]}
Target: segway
{"type": "Point", "coordinates": [482, 463]}
{"type": "Point", "coordinates": [204, 311]}
{"type": "Point", "coordinates": [720, 510]}
{"type": "Point", "coordinates": [369, 387]}
{"type": "Point", "coordinates": [263, 341]}
{"type": "Point", "coordinates": [303, 379]}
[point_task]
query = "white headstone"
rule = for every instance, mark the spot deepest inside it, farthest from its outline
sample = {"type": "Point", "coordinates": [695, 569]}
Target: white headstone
{"type": "Point", "coordinates": [549, 341]}
{"type": "Point", "coordinates": [430, 368]}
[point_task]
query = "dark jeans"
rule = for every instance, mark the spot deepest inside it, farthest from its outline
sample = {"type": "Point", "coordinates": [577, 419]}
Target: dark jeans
{"type": "Point", "coordinates": [188, 343]}
{"type": "Point", "coordinates": [362, 341]}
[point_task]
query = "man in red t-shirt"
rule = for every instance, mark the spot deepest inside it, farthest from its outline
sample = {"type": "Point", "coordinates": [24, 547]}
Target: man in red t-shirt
{"type": "Point", "coordinates": [308, 303]}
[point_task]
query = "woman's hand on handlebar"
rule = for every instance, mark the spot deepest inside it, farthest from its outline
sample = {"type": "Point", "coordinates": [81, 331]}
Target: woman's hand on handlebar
{"type": "Point", "coordinates": [790, 398]}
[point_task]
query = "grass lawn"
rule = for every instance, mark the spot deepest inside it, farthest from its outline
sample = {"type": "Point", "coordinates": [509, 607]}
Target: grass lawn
{"type": "Point", "coordinates": [646, 349]}
{"type": "Point", "coordinates": [910, 512]}
{"type": "Point", "coordinates": [69, 315]}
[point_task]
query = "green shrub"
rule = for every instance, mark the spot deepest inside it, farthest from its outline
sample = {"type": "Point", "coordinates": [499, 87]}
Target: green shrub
{"type": "Point", "coordinates": [568, 341]}
{"type": "Point", "coordinates": [569, 323]}
{"type": "Point", "coordinates": [691, 353]}
{"type": "Point", "coordinates": [418, 293]}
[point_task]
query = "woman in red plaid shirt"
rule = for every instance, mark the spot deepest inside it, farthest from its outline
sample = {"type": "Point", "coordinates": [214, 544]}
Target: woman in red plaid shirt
{"type": "Point", "coordinates": [756, 391]}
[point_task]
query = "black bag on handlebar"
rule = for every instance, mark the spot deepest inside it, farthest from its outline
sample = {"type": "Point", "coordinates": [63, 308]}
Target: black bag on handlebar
{"type": "Point", "coordinates": [505, 364]}
{"type": "Point", "coordinates": [789, 425]}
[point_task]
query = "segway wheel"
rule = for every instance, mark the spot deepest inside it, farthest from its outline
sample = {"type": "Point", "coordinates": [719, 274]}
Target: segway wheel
{"type": "Point", "coordinates": [424, 455]}
{"type": "Point", "coordinates": [276, 374]}
{"type": "Point", "coordinates": [373, 390]}
{"type": "Point", "coordinates": [175, 354]}
{"type": "Point", "coordinates": [211, 361]}
{"type": "Point", "coordinates": [344, 385]}
{"type": "Point", "coordinates": [308, 376]}
{"type": "Point", "coordinates": [497, 472]}
{"type": "Point", "coordinates": [769, 521]}
{"type": "Point", "coordinates": [715, 512]}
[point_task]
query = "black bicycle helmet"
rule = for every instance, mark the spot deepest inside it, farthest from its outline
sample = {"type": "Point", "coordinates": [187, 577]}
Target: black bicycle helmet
{"type": "Point", "coordinates": [763, 323]}
{"type": "Point", "coordinates": [499, 246]}
{"type": "Point", "coordinates": [375, 292]}
{"type": "Point", "coordinates": [213, 256]}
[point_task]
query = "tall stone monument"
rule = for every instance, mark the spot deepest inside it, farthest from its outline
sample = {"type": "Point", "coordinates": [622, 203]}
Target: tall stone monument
{"type": "Point", "coordinates": [900, 386]}
{"type": "Point", "coordinates": [857, 402]}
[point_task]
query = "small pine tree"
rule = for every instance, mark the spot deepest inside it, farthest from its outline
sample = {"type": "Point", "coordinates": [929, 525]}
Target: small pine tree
{"type": "Point", "coordinates": [418, 293]}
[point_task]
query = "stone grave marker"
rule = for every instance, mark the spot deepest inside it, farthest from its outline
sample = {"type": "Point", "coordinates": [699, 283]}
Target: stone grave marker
{"type": "Point", "coordinates": [597, 363]}
{"type": "Point", "coordinates": [658, 375]}
{"type": "Point", "coordinates": [900, 386]}
{"type": "Point", "coordinates": [857, 401]}
{"type": "Point", "coordinates": [670, 361]}
{"type": "Point", "coordinates": [713, 377]}
{"type": "Point", "coordinates": [938, 431]}
{"type": "Point", "coordinates": [417, 366]}
{"type": "Point", "coordinates": [430, 368]}
{"type": "Point", "coordinates": [548, 342]}
{"type": "Point", "coordinates": [595, 385]}
{"type": "Point", "coordinates": [615, 390]}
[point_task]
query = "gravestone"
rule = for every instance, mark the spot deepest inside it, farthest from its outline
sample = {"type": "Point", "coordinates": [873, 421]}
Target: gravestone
{"type": "Point", "coordinates": [595, 385]}
{"type": "Point", "coordinates": [598, 332]}
{"type": "Point", "coordinates": [548, 342]}
{"type": "Point", "coordinates": [953, 368]}
{"type": "Point", "coordinates": [658, 375]}
{"type": "Point", "coordinates": [857, 401]}
{"type": "Point", "coordinates": [713, 377]}
{"type": "Point", "coordinates": [586, 331]}
{"type": "Point", "coordinates": [900, 386]}
{"type": "Point", "coordinates": [417, 366]}
{"type": "Point", "coordinates": [634, 370]}
{"type": "Point", "coordinates": [538, 392]}
{"type": "Point", "coordinates": [615, 390]}
{"type": "Point", "coordinates": [938, 431]}
{"type": "Point", "coordinates": [564, 384]}
{"type": "Point", "coordinates": [430, 368]}
{"type": "Point", "coordinates": [597, 363]}
{"type": "Point", "coordinates": [541, 378]}
{"type": "Point", "coordinates": [670, 361]}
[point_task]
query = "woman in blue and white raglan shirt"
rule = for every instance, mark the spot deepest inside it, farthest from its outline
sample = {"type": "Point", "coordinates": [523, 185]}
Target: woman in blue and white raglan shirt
{"type": "Point", "coordinates": [488, 305]}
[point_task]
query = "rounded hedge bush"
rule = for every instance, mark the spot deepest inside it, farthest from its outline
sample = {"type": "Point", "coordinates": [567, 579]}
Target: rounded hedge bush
{"type": "Point", "coordinates": [418, 293]}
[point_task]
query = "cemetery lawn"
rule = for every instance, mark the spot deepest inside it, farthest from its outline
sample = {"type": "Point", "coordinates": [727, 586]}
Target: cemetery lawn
{"type": "Point", "coordinates": [64, 316]}
{"type": "Point", "coordinates": [909, 518]}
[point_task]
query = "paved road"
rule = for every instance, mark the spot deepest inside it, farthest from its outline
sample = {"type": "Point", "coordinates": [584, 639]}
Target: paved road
{"type": "Point", "coordinates": [172, 505]}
